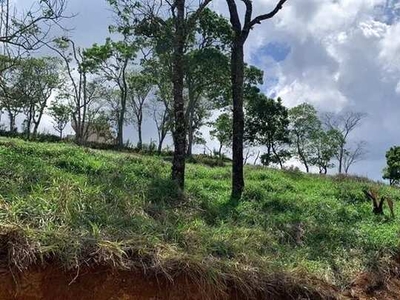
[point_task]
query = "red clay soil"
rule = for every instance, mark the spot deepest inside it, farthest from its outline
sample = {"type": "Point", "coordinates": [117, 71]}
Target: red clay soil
{"type": "Point", "coordinates": [105, 284]}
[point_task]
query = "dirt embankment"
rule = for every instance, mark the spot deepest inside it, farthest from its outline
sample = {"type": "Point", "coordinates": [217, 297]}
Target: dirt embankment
{"type": "Point", "coordinates": [103, 283]}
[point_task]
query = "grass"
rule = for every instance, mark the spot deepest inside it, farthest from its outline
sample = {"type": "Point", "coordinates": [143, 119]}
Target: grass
{"type": "Point", "coordinates": [75, 205]}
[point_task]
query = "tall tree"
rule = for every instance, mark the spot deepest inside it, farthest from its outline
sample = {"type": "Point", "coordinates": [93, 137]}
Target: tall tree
{"type": "Point", "coordinates": [345, 123]}
{"type": "Point", "coordinates": [304, 126]}
{"type": "Point", "coordinates": [181, 19]}
{"type": "Point", "coordinates": [81, 92]}
{"type": "Point", "coordinates": [38, 78]}
{"type": "Point", "coordinates": [267, 124]}
{"type": "Point", "coordinates": [111, 61]}
{"type": "Point", "coordinates": [241, 33]}
{"type": "Point", "coordinates": [10, 99]}
{"type": "Point", "coordinates": [140, 86]}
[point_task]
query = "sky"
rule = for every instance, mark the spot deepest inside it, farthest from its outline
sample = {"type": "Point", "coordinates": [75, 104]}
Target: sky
{"type": "Point", "coordinates": [338, 55]}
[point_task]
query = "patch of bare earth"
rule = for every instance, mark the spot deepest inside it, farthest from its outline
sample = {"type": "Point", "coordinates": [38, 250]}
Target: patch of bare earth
{"type": "Point", "coordinates": [101, 283]}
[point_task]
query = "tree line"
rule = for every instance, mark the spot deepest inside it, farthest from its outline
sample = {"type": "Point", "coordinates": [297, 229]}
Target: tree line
{"type": "Point", "coordinates": [178, 63]}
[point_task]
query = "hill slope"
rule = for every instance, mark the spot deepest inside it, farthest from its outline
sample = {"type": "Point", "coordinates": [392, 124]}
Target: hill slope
{"type": "Point", "coordinates": [80, 207]}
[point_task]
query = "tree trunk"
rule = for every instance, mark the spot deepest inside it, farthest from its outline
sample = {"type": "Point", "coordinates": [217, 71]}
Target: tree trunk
{"type": "Point", "coordinates": [237, 78]}
{"type": "Point", "coordinates": [341, 159]}
{"type": "Point", "coordinates": [220, 150]}
{"type": "Point", "coordinates": [190, 141]}
{"type": "Point", "coordinates": [139, 128]}
{"type": "Point", "coordinates": [11, 117]}
{"type": "Point", "coordinates": [179, 134]}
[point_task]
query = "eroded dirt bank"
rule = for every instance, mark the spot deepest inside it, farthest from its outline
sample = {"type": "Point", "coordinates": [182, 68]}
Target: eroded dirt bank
{"type": "Point", "coordinates": [103, 283]}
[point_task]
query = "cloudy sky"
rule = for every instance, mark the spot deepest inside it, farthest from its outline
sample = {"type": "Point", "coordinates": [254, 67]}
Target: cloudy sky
{"type": "Point", "coordinates": [335, 54]}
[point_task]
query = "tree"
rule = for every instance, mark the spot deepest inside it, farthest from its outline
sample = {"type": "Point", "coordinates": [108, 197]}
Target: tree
{"type": "Point", "coordinates": [77, 89]}
{"type": "Point", "coordinates": [354, 155]}
{"type": "Point", "coordinates": [61, 113]}
{"type": "Point", "coordinates": [267, 125]}
{"type": "Point", "coordinates": [326, 146]}
{"type": "Point", "coordinates": [30, 29]}
{"type": "Point", "coordinates": [37, 79]}
{"type": "Point", "coordinates": [140, 86]}
{"type": "Point", "coordinates": [162, 119]}
{"type": "Point", "coordinates": [111, 61]}
{"type": "Point", "coordinates": [179, 24]}
{"type": "Point", "coordinates": [222, 131]}
{"type": "Point", "coordinates": [240, 36]}
{"type": "Point", "coordinates": [345, 123]}
{"type": "Point", "coordinates": [9, 97]}
{"type": "Point", "coordinates": [304, 126]}
{"type": "Point", "coordinates": [392, 169]}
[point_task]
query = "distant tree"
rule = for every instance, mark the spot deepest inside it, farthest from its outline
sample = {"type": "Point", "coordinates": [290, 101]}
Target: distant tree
{"type": "Point", "coordinates": [10, 100]}
{"type": "Point", "coordinates": [61, 114]}
{"type": "Point", "coordinates": [140, 86]}
{"type": "Point", "coordinates": [392, 169]}
{"type": "Point", "coordinates": [162, 119]}
{"type": "Point", "coordinates": [240, 35]}
{"type": "Point", "coordinates": [77, 88]}
{"type": "Point", "coordinates": [176, 20]}
{"type": "Point", "coordinates": [345, 123]}
{"type": "Point", "coordinates": [304, 125]}
{"type": "Point", "coordinates": [111, 62]}
{"type": "Point", "coordinates": [326, 145]}
{"type": "Point", "coordinates": [222, 131]}
{"type": "Point", "coordinates": [38, 78]}
{"type": "Point", "coordinates": [352, 155]}
{"type": "Point", "coordinates": [267, 124]}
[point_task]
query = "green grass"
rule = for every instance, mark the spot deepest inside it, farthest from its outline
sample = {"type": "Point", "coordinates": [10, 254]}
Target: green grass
{"type": "Point", "coordinates": [76, 205]}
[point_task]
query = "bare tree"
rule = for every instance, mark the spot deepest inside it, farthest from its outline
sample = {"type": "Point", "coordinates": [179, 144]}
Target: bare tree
{"type": "Point", "coordinates": [354, 155]}
{"type": "Point", "coordinates": [241, 33]}
{"type": "Point", "coordinates": [344, 123]}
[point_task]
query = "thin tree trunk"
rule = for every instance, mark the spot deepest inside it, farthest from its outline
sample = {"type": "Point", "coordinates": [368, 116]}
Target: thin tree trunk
{"type": "Point", "coordinates": [341, 159]}
{"type": "Point", "coordinates": [237, 78]}
{"type": "Point", "coordinates": [179, 134]}
{"type": "Point", "coordinates": [220, 150]}
{"type": "Point", "coordinates": [139, 128]}
{"type": "Point", "coordinates": [190, 141]}
{"type": "Point", "coordinates": [12, 121]}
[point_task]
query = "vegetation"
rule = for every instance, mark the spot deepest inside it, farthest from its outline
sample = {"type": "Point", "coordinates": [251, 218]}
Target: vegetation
{"type": "Point", "coordinates": [90, 206]}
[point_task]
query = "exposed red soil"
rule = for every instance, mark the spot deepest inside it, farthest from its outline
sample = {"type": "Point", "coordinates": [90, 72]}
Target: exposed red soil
{"type": "Point", "coordinates": [102, 283]}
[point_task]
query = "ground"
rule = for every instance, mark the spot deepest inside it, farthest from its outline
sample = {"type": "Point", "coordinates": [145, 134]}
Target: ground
{"type": "Point", "coordinates": [69, 210]}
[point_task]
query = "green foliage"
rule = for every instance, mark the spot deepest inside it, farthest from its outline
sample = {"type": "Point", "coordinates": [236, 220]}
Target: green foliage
{"type": "Point", "coordinates": [267, 125]}
{"type": "Point", "coordinates": [222, 131]}
{"type": "Point", "coordinates": [69, 200]}
{"type": "Point", "coordinates": [61, 114]}
{"type": "Point", "coordinates": [326, 145]}
{"type": "Point", "coordinates": [392, 170]}
{"type": "Point", "coordinates": [304, 125]}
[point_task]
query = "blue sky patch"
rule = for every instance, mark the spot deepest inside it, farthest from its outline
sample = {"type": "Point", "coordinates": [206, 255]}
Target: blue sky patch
{"type": "Point", "coordinates": [278, 52]}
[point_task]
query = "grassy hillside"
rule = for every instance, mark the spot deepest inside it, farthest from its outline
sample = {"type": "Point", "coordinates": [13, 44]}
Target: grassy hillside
{"type": "Point", "coordinates": [77, 205]}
